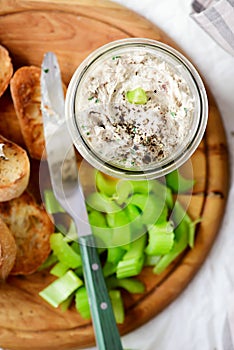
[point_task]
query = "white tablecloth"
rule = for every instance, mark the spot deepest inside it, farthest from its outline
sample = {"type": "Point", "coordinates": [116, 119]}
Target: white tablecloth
{"type": "Point", "coordinates": [196, 320]}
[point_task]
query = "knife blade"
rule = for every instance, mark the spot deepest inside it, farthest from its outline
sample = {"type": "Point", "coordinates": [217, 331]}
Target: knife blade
{"type": "Point", "coordinates": [68, 191]}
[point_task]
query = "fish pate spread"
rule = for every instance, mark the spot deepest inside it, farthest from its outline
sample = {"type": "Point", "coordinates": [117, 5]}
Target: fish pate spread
{"type": "Point", "coordinates": [134, 110]}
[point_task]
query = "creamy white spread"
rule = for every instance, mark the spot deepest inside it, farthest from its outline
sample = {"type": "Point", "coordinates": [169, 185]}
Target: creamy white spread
{"type": "Point", "coordinates": [129, 135]}
{"type": "Point", "coordinates": [2, 154]}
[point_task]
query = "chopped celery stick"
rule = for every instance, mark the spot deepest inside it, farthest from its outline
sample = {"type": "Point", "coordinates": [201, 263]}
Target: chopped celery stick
{"type": "Point", "coordinates": [61, 289]}
{"type": "Point", "coordinates": [136, 225]}
{"type": "Point", "coordinates": [72, 233]}
{"type": "Point", "coordinates": [139, 200]}
{"type": "Point", "coordinates": [119, 218]}
{"type": "Point", "coordinates": [151, 206]}
{"type": "Point", "coordinates": [180, 243]}
{"type": "Point", "coordinates": [178, 183]}
{"type": "Point", "coordinates": [104, 185]}
{"type": "Point", "coordinates": [79, 271]}
{"type": "Point", "coordinates": [117, 305]}
{"type": "Point", "coordinates": [51, 260]}
{"type": "Point", "coordinates": [132, 212]}
{"type": "Point", "coordinates": [133, 260]}
{"type": "Point", "coordinates": [137, 96]}
{"type": "Point", "coordinates": [114, 255]}
{"type": "Point", "coordinates": [96, 218]}
{"type": "Point", "coordinates": [151, 260]}
{"type": "Point", "coordinates": [121, 236]}
{"type": "Point", "coordinates": [192, 231]}
{"type": "Point", "coordinates": [163, 192]}
{"type": "Point", "coordinates": [51, 203]}
{"type": "Point", "coordinates": [82, 303]}
{"type": "Point", "coordinates": [66, 303]}
{"type": "Point", "coordinates": [143, 186]}
{"type": "Point", "coordinates": [132, 285]}
{"type": "Point", "coordinates": [180, 214]}
{"type": "Point", "coordinates": [64, 252]}
{"type": "Point", "coordinates": [130, 267]}
{"type": "Point", "coordinates": [119, 222]}
{"type": "Point", "coordinates": [123, 192]}
{"type": "Point", "coordinates": [101, 202]}
{"type": "Point", "coordinates": [102, 233]}
{"type": "Point", "coordinates": [161, 239]}
{"type": "Point", "coordinates": [59, 269]}
{"type": "Point", "coordinates": [109, 269]}
{"type": "Point", "coordinates": [75, 246]}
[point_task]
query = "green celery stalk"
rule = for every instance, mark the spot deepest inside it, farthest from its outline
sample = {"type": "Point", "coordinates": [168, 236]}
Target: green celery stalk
{"type": "Point", "coordinates": [119, 222]}
{"type": "Point", "coordinates": [64, 252]}
{"type": "Point", "coordinates": [178, 183]}
{"type": "Point", "coordinates": [132, 285]}
{"type": "Point", "coordinates": [101, 202]}
{"type": "Point", "coordinates": [180, 244]}
{"type": "Point", "coordinates": [161, 239]}
{"type": "Point", "coordinates": [59, 269]}
{"type": "Point", "coordinates": [102, 233]}
{"type": "Point", "coordinates": [114, 255]}
{"type": "Point", "coordinates": [137, 96]}
{"type": "Point", "coordinates": [51, 203]}
{"type": "Point", "coordinates": [82, 303]}
{"type": "Point", "coordinates": [151, 206]}
{"type": "Point", "coordinates": [179, 214]}
{"type": "Point", "coordinates": [151, 260]}
{"type": "Point", "coordinates": [133, 260]}
{"type": "Point", "coordinates": [104, 185]}
{"type": "Point", "coordinates": [124, 190]}
{"type": "Point", "coordinates": [71, 234]}
{"type": "Point", "coordinates": [51, 260]}
{"type": "Point", "coordinates": [59, 290]}
{"type": "Point", "coordinates": [163, 192]}
{"type": "Point", "coordinates": [64, 306]}
{"type": "Point", "coordinates": [117, 305]}
{"type": "Point", "coordinates": [137, 227]}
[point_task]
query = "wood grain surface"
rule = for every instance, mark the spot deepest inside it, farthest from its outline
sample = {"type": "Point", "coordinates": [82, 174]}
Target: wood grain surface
{"type": "Point", "coordinates": [72, 29]}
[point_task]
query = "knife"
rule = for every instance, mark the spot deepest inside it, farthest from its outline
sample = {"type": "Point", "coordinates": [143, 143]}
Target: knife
{"type": "Point", "coordinates": [68, 191]}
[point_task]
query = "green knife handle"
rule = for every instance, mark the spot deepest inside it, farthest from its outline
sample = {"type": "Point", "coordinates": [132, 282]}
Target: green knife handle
{"type": "Point", "coordinates": [106, 331]}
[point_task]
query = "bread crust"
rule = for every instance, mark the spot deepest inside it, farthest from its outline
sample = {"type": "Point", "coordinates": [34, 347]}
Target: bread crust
{"type": "Point", "coordinates": [6, 69]}
{"type": "Point", "coordinates": [31, 227]}
{"type": "Point", "coordinates": [26, 95]}
{"type": "Point", "coordinates": [14, 170]}
{"type": "Point", "coordinates": [7, 250]}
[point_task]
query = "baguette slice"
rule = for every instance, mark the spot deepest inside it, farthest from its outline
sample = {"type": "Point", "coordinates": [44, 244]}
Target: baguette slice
{"type": "Point", "coordinates": [14, 170]}
{"type": "Point", "coordinates": [26, 95]}
{"type": "Point", "coordinates": [7, 250]}
{"type": "Point", "coordinates": [6, 69]}
{"type": "Point", "coordinates": [31, 227]}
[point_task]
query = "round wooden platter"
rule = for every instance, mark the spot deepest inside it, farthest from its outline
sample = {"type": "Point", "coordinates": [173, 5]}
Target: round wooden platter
{"type": "Point", "coordinates": [72, 29]}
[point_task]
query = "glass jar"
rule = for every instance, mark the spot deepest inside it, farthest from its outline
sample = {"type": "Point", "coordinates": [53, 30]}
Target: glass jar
{"type": "Point", "coordinates": [116, 143]}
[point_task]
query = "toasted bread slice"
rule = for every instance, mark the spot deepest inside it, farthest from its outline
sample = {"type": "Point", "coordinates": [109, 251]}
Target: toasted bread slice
{"type": "Point", "coordinates": [31, 227]}
{"type": "Point", "coordinates": [14, 170]}
{"type": "Point", "coordinates": [7, 250]}
{"type": "Point", "coordinates": [26, 95]}
{"type": "Point", "coordinates": [6, 69]}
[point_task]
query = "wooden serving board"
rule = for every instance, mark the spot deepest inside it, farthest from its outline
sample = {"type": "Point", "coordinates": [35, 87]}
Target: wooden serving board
{"type": "Point", "coordinates": [72, 29]}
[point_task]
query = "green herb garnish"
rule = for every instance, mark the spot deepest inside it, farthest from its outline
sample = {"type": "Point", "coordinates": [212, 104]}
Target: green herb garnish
{"type": "Point", "coordinates": [46, 70]}
{"type": "Point", "coordinates": [137, 96]}
{"type": "Point", "coordinates": [90, 98]}
{"type": "Point", "coordinates": [97, 100]}
{"type": "Point", "coordinates": [115, 57]}
{"type": "Point", "coordinates": [173, 114]}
